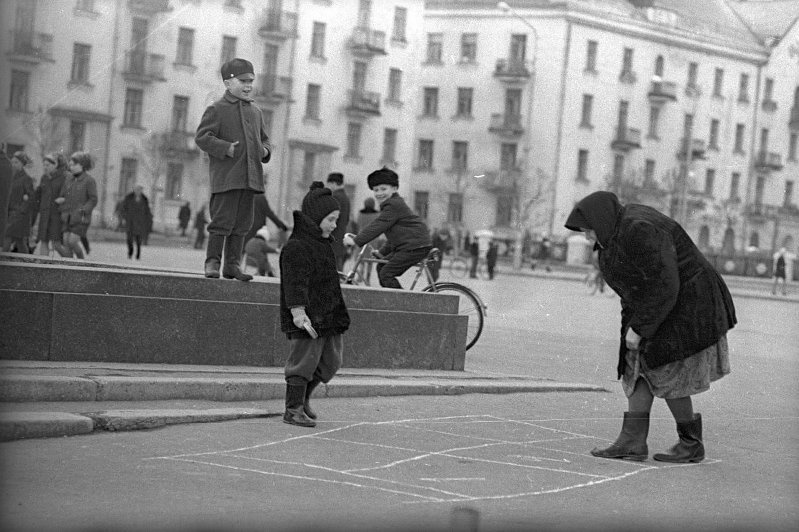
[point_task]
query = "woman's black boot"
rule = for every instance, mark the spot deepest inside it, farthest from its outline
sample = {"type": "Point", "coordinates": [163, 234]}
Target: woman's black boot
{"type": "Point", "coordinates": [631, 443]}
{"type": "Point", "coordinates": [689, 449]}
{"type": "Point", "coordinates": [308, 391]}
{"type": "Point", "coordinates": [295, 402]}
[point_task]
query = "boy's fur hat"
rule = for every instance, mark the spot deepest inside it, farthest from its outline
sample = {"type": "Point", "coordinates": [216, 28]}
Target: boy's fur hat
{"type": "Point", "coordinates": [236, 67]}
{"type": "Point", "coordinates": [384, 176]}
{"type": "Point", "coordinates": [319, 202]}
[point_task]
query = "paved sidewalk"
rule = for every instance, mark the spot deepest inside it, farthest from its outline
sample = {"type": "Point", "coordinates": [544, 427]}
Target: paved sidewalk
{"type": "Point", "coordinates": [47, 399]}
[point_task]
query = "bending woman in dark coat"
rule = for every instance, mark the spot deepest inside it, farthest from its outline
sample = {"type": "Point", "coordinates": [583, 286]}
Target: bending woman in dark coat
{"type": "Point", "coordinates": [676, 311]}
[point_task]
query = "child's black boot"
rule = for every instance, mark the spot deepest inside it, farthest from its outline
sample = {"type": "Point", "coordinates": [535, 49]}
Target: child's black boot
{"type": "Point", "coordinates": [213, 255]}
{"type": "Point", "coordinates": [234, 245]}
{"type": "Point", "coordinates": [295, 405]}
{"type": "Point", "coordinates": [308, 391]}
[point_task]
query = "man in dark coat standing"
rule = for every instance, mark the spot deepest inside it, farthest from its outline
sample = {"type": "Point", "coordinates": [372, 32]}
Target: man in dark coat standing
{"type": "Point", "coordinates": [184, 216]}
{"type": "Point", "coordinates": [137, 215]}
{"type": "Point", "coordinates": [335, 182]}
{"type": "Point", "coordinates": [261, 212]}
{"type": "Point", "coordinates": [233, 134]}
{"type": "Point", "coordinates": [6, 174]}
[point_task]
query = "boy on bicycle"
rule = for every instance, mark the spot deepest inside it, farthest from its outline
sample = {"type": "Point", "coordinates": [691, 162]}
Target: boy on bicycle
{"type": "Point", "coordinates": [407, 236]}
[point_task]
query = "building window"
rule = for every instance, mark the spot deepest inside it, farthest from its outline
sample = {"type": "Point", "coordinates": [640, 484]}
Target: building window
{"type": "Point", "coordinates": [435, 47]}
{"type": "Point", "coordinates": [421, 203]}
{"type": "Point", "coordinates": [77, 135]}
{"type": "Point", "coordinates": [430, 102]}
{"type": "Point", "coordinates": [460, 155]}
{"type": "Point", "coordinates": [713, 141]}
{"type": "Point", "coordinates": [18, 100]}
{"type": "Point", "coordinates": [588, 104]}
{"type": "Point", "coordinates": [389, 146]}
{"type": "Point", "coordinates": [185, 46]}
{"type": "Point", "coordinates": [627, 61]}
{"type": "Point", "coordinates": [518, 50]}
{"type": "Point", "coordinates": [425, 156]}
{"type": "Point", "coordinates": [228, 48]}
{"type": "Point", "coordinates": [504, 210]}
{"type": "Point", "coordinates": [180, 114]}
{"type": "Point", "coordinates": [787, 199]}
{"type": "Point", "coordinates": [792, 147]}
{"type": "Point", "coordinates": [743, 89]}
{"type": "Point", "coordinates": [739, 138]}
{"type": "Point", "coordinates": [127, 175]}
{"type": "Point", "coordinates": [174, 181]}
{"type": "Point", "coordinates": [507, 156]}
{"type": "Point", "coordinates": [764, 140]}
{"type": "Point", "coordinates": [590, 56]}
{"type": "Point", "coordinates": [710, 178]}
{"type": "Point", "coordinates": [364, 13]}
{"type": "Point", "coordinates": [768, 90]}
{"type": "Point", "coordinates": [134, 102]}
{"type": "Point", "coordinates": [718, 82]}
{"type": "Point", "coordinates": [394, 85]}
{"type": "Point", "coordinates": [468, 48]}
{"type": "Point", "coordinates": [85, 5]}
{"type": "Point", "coordinates": [618, 171]}
{"type": "Point", "coordinates": [353, 139]}
{"type": "Point", "coordinates": [308, 166]}
{"type": "Point", "coordinates": [80, 63]}
{"type": "Point", "coordinates": [735, 182]}
{"type": "Point", "coordinates": [659, 66]}
{"type": "Point", "coordinates": [582, 165]}
{"type": "Point", "coordinates": [654, 121]}
{"type": "Point", "coordinates": [760, 186]}
{"type": "Point", "coordinates": [649, 172]}
{"type": "Point", "coordinates": [455, 208]}
{"type": "Point", "coordinates": [400, 24]}
{"type": "Point", "coordinates": [693, 73]}
{"type": "Point", "coordinates": [312, 101]}
{"type": "Point", "coordinates": [318, 40]}
{"type": "Point", "coordinates": [465, 95]}
{"type": "Point", "coordinates": [359, 76]}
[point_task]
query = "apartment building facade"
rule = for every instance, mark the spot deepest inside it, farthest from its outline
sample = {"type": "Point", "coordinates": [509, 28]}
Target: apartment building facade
{"type": "Point", "coordinates": [659, 101]}
{"type": "Point", "coordinates": [128, 81]}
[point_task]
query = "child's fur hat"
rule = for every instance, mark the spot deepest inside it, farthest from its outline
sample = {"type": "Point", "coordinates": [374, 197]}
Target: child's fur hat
{"type": "Point", "coordinates": [384, 176]}
{"type": "Point", "coordinates": [319, 202]}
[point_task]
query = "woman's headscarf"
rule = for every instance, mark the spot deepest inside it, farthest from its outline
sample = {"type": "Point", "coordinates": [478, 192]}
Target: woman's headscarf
{"type": "Point", "coordinates": [597, 211]}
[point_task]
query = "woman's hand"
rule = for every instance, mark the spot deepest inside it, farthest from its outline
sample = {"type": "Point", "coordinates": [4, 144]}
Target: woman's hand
{"type": "Point", "coordinates": [59, 201]}
{"type": "Point", "coordinates": [632, 339]}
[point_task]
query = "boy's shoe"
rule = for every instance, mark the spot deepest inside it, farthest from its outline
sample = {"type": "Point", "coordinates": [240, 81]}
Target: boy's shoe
{"type": "Point", "coordinates": [234, 272]}
{"type": "Point", "coordinates": [295, 402]}
{"type": "Point", "coordinates": [212, 269]}
{"type": "Point", "coordinates": [295, 416]}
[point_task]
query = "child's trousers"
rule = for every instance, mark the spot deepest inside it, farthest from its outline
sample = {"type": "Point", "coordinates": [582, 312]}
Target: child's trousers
{"type": "Point", "coordinates": [320, 357]}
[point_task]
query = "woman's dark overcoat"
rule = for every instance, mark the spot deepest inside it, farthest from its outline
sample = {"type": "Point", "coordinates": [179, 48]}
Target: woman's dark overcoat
{"type": "Point", "coordinates": [308, 278]}
{"type": "Point", "coordinates": [137, 214]}
{"type": "Point", "coordinates": [49, 215]}
{"type": "Point", "coordinates": [80, 199]}
{"type": "Point", "coordinates": [670, 294]}
{"type": "Point", "coordinates": [20, 210]}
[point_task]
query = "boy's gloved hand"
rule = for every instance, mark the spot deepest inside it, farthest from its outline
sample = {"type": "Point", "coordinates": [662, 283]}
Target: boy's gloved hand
{"type": "Point", "coordinates": [299, 317]}
{"type": "Point", "coordinates": [349, 239]}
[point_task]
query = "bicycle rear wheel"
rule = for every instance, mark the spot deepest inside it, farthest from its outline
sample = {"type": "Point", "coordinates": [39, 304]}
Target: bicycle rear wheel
{"type": "Point", "coordinates": [469, 305]}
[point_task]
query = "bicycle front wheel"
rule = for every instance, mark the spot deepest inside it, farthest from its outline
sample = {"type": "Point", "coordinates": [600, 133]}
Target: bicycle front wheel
{"type": "Point", "coordinates": [469, 305]}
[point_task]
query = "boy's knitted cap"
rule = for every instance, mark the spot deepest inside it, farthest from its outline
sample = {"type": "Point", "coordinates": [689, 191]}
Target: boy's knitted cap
{"type": "Point", "coordinates": [84, 159]}
{"type": "Point", "coordinates": [237, 67]}
{"type": "Point", "coordinates": [319, 202]}
{"type": "Point", "coordinates": [384, 176]}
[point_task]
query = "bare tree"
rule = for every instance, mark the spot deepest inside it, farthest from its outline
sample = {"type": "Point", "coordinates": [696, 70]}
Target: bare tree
{"type": "Point", "coordinates": [47, 132]}
{"type": "Point", "coordinates": [153, 156]}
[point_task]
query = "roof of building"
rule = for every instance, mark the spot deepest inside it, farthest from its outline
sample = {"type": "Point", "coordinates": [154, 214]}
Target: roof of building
{"type": "Point", "coordinates": [770, 20]}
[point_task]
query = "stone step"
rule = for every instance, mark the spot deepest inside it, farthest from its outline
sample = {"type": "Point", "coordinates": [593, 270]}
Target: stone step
{"type": "Point", "coordinates": [51, 310]}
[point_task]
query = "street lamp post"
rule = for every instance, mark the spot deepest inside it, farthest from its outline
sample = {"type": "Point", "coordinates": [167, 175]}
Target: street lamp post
{"type": "Point", "coordinates": [517, 251]}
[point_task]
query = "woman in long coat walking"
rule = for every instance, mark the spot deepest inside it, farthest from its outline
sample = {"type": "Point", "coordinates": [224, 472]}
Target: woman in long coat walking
{"type": "Point", "coordinates": [675, 313]}
{"type": "Point", "coordinates": [77, 201]}
{"type": "Point", "coordinates": [55, 169]}
{"type": "Point", "coordinates": [137, 215]}
{"type": "Point", "coordinates": [21, 206]}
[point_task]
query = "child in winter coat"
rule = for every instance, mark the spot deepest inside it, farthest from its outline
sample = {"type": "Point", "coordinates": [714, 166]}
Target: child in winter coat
{"type": "Point", "coordinates": [407, 237]}
{"type": "Point", "coordinates": [312, 310]}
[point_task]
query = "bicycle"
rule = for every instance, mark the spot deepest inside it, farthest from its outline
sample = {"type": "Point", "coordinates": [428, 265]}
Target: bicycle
{"type": "Point", "coordinates": [470, 304]}
{"type": "Point", "coordinates": [459, 267]}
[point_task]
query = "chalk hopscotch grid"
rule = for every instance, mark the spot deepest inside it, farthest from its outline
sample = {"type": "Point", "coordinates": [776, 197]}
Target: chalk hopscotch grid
{"type": "Point", "coordinates": [359, 477]}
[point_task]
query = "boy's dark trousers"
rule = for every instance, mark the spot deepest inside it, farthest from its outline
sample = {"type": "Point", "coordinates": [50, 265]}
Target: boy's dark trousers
{"type": "Point", "coordinates": [231, 217]}
{"type": "Point", "coordinates": [398, 263]}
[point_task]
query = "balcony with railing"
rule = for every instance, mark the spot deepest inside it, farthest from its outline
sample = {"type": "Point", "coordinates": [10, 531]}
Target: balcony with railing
{"type": "Point", "coordinates": [501, 181]}
{"type": "Point", "coordinates": [179, 144]}
{"type": "Point", "coordinates": [143, 67]}
{"type": "Point", "coordinates": [31, 47]}
{"type": "Point", "coordinates": [368, 42]}
{"type": "Point", "coordinates": [512, 70]}
{"type": "Point", "coordinates": [767, 161]}
{"type": "Point", "coordinates": [271, 88]}
{"type": "Point", "coordinates": [278, 25]}
{"type": "Point", "coordinates": [697, 149]}
{"type": "Point", "coordinates": [149, 7]}
{"type": "Point", "coordinates": [506, 125]}
{"type": "Point", "coordinates": [662, 92]}
{"type": "Point", "coordinates": [363, 103]}
{"type": "Point", "coordinates": [626, 139]}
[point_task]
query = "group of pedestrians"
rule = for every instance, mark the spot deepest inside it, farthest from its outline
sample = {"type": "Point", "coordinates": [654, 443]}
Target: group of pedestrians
{"type": "Point", "coordinates": [62, 203]}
